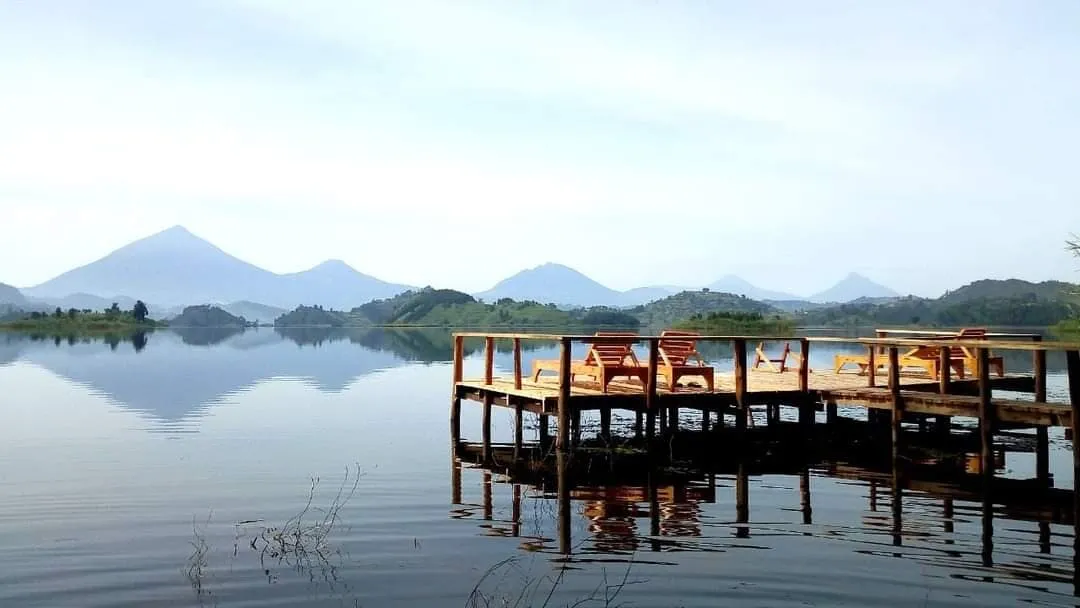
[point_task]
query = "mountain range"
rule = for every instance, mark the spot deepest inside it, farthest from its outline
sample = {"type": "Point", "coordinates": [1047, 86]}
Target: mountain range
{"type": "Point", "coordinates": [175, 268]}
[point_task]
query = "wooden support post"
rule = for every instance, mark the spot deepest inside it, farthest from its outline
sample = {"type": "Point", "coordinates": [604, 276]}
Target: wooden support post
{"type": "Point", "coordinates": [455, 480]}
{"type": "Point", "coordinates": [897, 400]}
{"type": "Point", "coordinates": [987, 529]}
{"type": "Point", "coordinates": [517, 363]}
{"type": "Point", "coordinates": [1072, 362]}
{"type": "Point", "coordinates": [986, 418]}
{"type": "Point", "coordinates": [1042, 435]}
{"type": "Point", "coordinates": [742, 499]}
{"type": "Point", "coordinates": [897, 503]}
{"type": "Point", "coordinates": [651, 401]}
{"type": "Point", "coordinates": [489, 360]}
{"type": "Point", "coordinates": [871, 380]}
{"type": "Point", "coordinates": [873, 495]}
{"type": "Point", "coordinates": [519, 429]}
{"type": "Point", "coordinates": [705, 421]}
{"type": "Point", "coordinates": [515, 513]}
{"type": "Point", "coordinates": [562, 453]}
{"type": "Point", "coordinates": [575, 427]}
{"type": "Point", "coordinates": [486, 424]}
{"type": "Point", "coordinates": [673, 424]}
{"type": "Point", "coordinates": [804, 365]}
{"type": "Point", "coordinates": [543, 434]}
{"type": "Point", "coordinates": [947, 515]}
{"type": "Point", "coordinates": [944, 369]}
{"type": "Point", "coordinates": [1044, 537]}
{"type": "Point", "coordinates": [639, 424]}
{"type": "Point", "coordinates": [487, 496]}
{"type": "Point", "coordinates": [831, 412]}
{"type": "Point", "coordinates": [562, 443]}
{"type": "Point", "coordinates": [804, 497]}
{"type": "Point", "coordinates": [605, 423]}
{"type": "Point", "coordinates": [455, 400]}
{"type": "Point", "coordinates": [741, 402]}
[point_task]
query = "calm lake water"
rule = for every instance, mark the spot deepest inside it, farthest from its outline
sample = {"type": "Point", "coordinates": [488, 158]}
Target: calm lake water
{"type": "Point", "coordinates": [313, 469]}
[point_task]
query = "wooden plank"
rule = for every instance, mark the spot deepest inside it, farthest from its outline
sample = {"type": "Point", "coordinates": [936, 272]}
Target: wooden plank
{"type": "Point", "coordinates": [489, 359]}
{"type": "Point", "coordinates": [517, 363]}
{"type": "Point", "coordinates": [563, 440]}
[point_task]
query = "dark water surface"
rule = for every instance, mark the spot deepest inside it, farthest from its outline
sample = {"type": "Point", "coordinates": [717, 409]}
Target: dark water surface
{"type": "Point", "coordinates": [179, 472]}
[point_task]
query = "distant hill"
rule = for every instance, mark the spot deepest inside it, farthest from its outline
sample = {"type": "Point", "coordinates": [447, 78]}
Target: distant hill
{"type": "Point", "coordinates": [1010, 288]}
{"type": "Point", "coordinates": [853, 287]}
{"type": "Point", "coordinates": [205, 315]}
{"type": "Point", "coordinates": [564, 286]}
{"type": "Point", "coordinates": [312, 316]}
{"type": "Point", "coordinates": [741, 287]}
{"type": "Point", "coordinates": [682, 306]}
{"type": "Point", "coordinates": [253, 311]}
{"type": "Point", "coordinates": [175, 267]}
{"type": "Point", "coordinates": [11, 295]}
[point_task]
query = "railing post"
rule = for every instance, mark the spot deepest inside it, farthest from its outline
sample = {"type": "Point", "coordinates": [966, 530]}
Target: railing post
{"type": "Point", "coordinates": [459, 356]}
{"type": "Point", "coordinates": [563, 439]}
{"type": "Point", "coordinates": [455, 400]}
{"type": "Point", "coordinates": [986, 416]}
{"type": "Point", "coordinates": [897, 400]}
{"type": "Point", "coordinates": [650, 389]}
{"type": "Point", "coordinates": [1042, 435]}
{"type": "Point", "coordinates": [944, 369]}
{"type": "Point", "coordinates": [871, 380]}
{"type": "Point", "coordinates": [739, 347]}
{"type": "Point", "coordinates": [517, 363]}
{"type": "Point", "coordinates": [489, 359]}
{"type": "Point", "coordinates": [804, 365]}
{"type": "Point", "coordinates": [1072, 361]}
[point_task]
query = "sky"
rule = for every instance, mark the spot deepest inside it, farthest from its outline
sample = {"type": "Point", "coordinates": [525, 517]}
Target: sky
{"type": "Point", "coordinates": [923, 144]}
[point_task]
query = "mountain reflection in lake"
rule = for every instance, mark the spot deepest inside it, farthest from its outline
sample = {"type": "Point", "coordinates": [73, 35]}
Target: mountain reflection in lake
{"type": "Point", "coordinates": [313, 467]}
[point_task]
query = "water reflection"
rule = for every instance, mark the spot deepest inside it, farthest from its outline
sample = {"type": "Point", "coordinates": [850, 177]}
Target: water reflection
{"type": "Point", "coordinates": [935, 514]}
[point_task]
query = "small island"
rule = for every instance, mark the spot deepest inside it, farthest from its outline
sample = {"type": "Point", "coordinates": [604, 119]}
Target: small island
{"type": "Point", "coordinates": [75, 321]}
{"type": "Point", "coordinates": [744, 323]}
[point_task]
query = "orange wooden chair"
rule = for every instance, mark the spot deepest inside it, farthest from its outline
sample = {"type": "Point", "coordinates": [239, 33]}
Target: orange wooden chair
{"type": "Point", "coordinates": [605, 361]}
{"type": "Point", "coordinates": [679, 358]}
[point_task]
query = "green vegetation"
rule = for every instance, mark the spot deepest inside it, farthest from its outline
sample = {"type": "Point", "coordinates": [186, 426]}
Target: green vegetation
{"type": "Point", "coordinates": [75, 321]}
{"type": "Point", "coordinates": [720, 323]}
{"type": "Point", "coordinates": [205, 315]}
{"type": "Point", "coordinates": [682, 306]}
{"type": "Point", "coordinates": [987, 302]}
{"type": "Point", "coordinates": [312, 316]}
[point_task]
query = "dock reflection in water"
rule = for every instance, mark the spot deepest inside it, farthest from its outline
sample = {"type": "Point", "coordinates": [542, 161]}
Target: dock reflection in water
{"type": "Point", "coordinates": [1020, 535]}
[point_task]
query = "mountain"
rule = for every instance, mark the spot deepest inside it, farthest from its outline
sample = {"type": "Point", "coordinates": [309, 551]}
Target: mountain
{"type": "Point", "coordinates": [853, 287]}
{"type": "Point", "coordinates": [741, 287]}
{"type": "Point", "coordinates": [552, 284]}
{"type": "Point", "coordinates": [10, 295]}
{"type": "Point", "coordinates": [335, 284]}
{"type": "Point", "coordinates": [558, 284]}
{"type": "Point", "coordinates": [175, 267]}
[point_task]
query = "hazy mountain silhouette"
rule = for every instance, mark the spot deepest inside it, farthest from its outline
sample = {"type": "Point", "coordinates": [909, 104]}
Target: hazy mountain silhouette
{"type": "Point", "coordinates": [741, 287]}
{"type": "Point", "coordinates": [175, 267]}
{"type": "Point", "coordinates": [558, 284]}
{"type": "Point", "coordinates": [853, 287]}
{"type": "Point", "coordinates": [11, 295]}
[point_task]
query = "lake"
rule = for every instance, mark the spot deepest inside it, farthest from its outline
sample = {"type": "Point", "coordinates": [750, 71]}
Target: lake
{"type": "Point", "coordinates": [314, 468]}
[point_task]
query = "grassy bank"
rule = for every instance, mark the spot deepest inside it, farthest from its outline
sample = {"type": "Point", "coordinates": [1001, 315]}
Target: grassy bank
{"type": "Point", "coordinates": [80, 323]}
{"type": "Point", "coordinates": [737, 323]}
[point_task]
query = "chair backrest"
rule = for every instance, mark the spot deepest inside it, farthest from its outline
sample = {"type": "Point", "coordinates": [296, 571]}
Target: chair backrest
{"type": "Point", "coordinates": [677, 346]}
{"type": "Point", "coordinates": [613, 353]}
{"type": "Point", "coordinates": [967, 333]}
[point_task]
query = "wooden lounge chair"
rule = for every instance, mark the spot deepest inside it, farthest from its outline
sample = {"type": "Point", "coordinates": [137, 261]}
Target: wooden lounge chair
{"type": "Point", "coordinates": [605, 361]}
{"type": "Point", "coordinates": [679, 358]}
{"type": "Point", "coordinates": [962, 360]}
{"type": "Point", "coordinates": [760, 358]}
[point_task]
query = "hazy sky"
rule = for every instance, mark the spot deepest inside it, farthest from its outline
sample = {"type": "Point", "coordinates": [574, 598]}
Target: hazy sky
{"type": "Point", "coordinates": [454, 143]}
